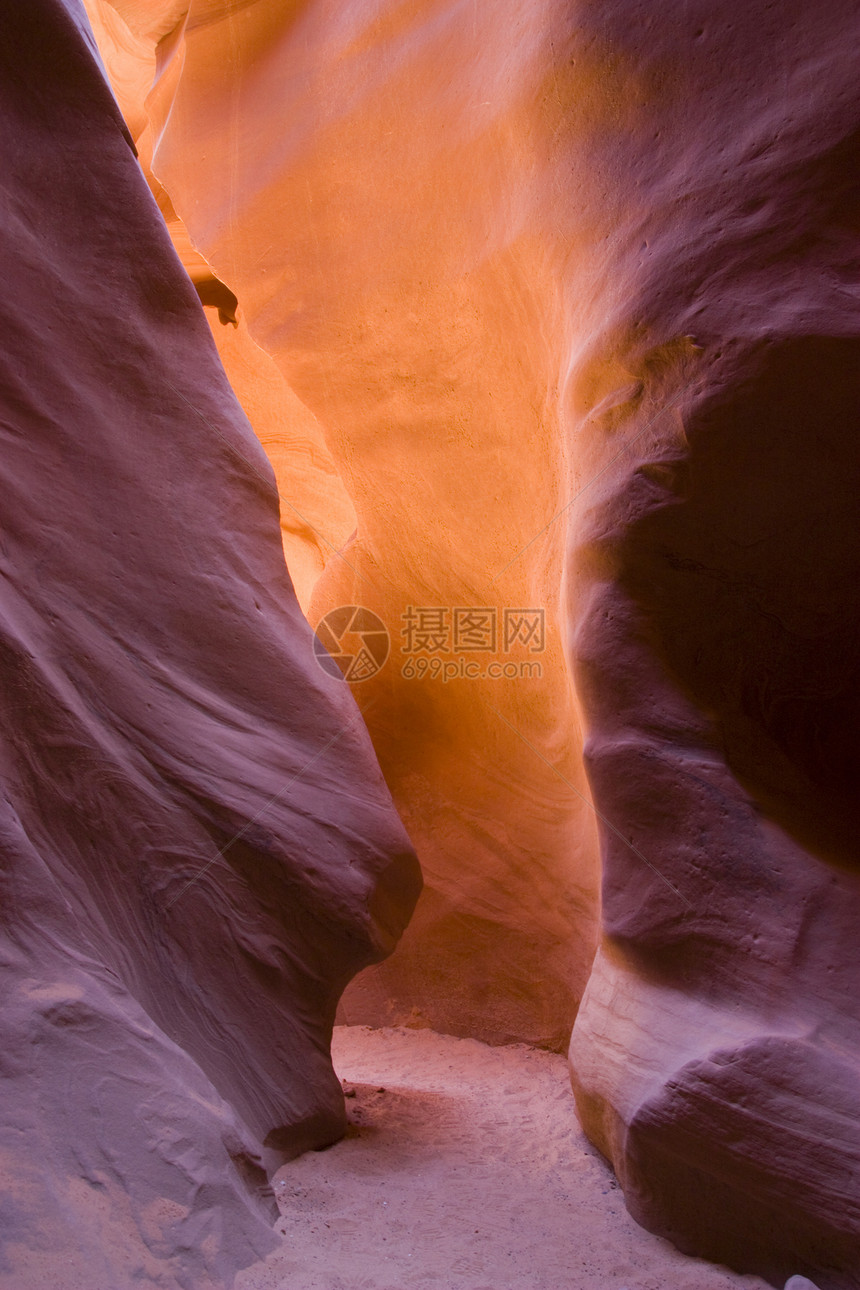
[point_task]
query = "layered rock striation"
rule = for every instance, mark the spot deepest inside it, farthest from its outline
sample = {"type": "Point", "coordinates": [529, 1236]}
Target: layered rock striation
{"type": "Point", "coordinates": [198, 847]}
{"type": "Point", "coordinates": [571, 291]}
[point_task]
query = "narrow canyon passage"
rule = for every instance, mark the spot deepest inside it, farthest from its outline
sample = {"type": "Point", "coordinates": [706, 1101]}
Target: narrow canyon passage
{"type": "Point", "coordinates": [529, 333]}
{"type": "Point", "coordinates": [463, 1169]}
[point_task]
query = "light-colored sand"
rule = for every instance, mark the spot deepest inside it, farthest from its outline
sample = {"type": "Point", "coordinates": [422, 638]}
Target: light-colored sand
{"type": "Point", "coordinates": [465, 1169]}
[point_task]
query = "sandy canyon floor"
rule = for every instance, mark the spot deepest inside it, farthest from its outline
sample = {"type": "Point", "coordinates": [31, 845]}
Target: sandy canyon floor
{"type": "Point", "coordinates": [464, 1169]}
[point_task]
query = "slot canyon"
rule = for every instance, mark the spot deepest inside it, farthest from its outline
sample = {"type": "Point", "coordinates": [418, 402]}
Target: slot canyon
{"type": "Point", "coordinates": [430, 645]}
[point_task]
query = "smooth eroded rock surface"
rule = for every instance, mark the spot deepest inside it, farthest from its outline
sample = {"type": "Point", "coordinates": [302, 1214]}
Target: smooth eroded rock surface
{"type": "Point", "coordinates": [198, 847]}
{"type": "Point", "coordinates": [551, 273]}
{"type": "Point", "coordinates": [716, 1057]}
{"type": "Point", "coordinates": [363, 178]}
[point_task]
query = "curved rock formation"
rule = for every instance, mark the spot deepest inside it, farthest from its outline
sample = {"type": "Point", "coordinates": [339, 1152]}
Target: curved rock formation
{"type": "Point", "coordinates": [390, 269]}
{"type": "Point", "coordinates": [317, 516]}
{"type": "Point", "coordinates": [728, 979]}
{"type": "Point", "coordinates": [729, 976]}
{"type": "Point", "coordinates": [716, 1058]}
{"type": "Point", "coordinates": [595, 266]}
{"type": "Point", "coordinates": [198, 847]}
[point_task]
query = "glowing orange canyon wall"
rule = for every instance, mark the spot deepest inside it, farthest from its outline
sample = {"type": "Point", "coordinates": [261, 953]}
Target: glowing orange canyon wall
{"type": "Point", "coordinates": [366, 183]}
{"type": "Point", "coordinates": [570, 290]}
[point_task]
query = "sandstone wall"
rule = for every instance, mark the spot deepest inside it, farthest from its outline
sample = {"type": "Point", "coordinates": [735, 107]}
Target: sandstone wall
{"type": "Point", "coordinates": [198, 847]}
{"type": "Point", "coordinates": [571, 290]}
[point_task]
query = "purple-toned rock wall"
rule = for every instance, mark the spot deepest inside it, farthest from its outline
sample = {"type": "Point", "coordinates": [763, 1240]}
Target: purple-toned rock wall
{"type": "Point", "coordinates": [566, 300]}
{"type": "Point", "coordinates": [198, 849]}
